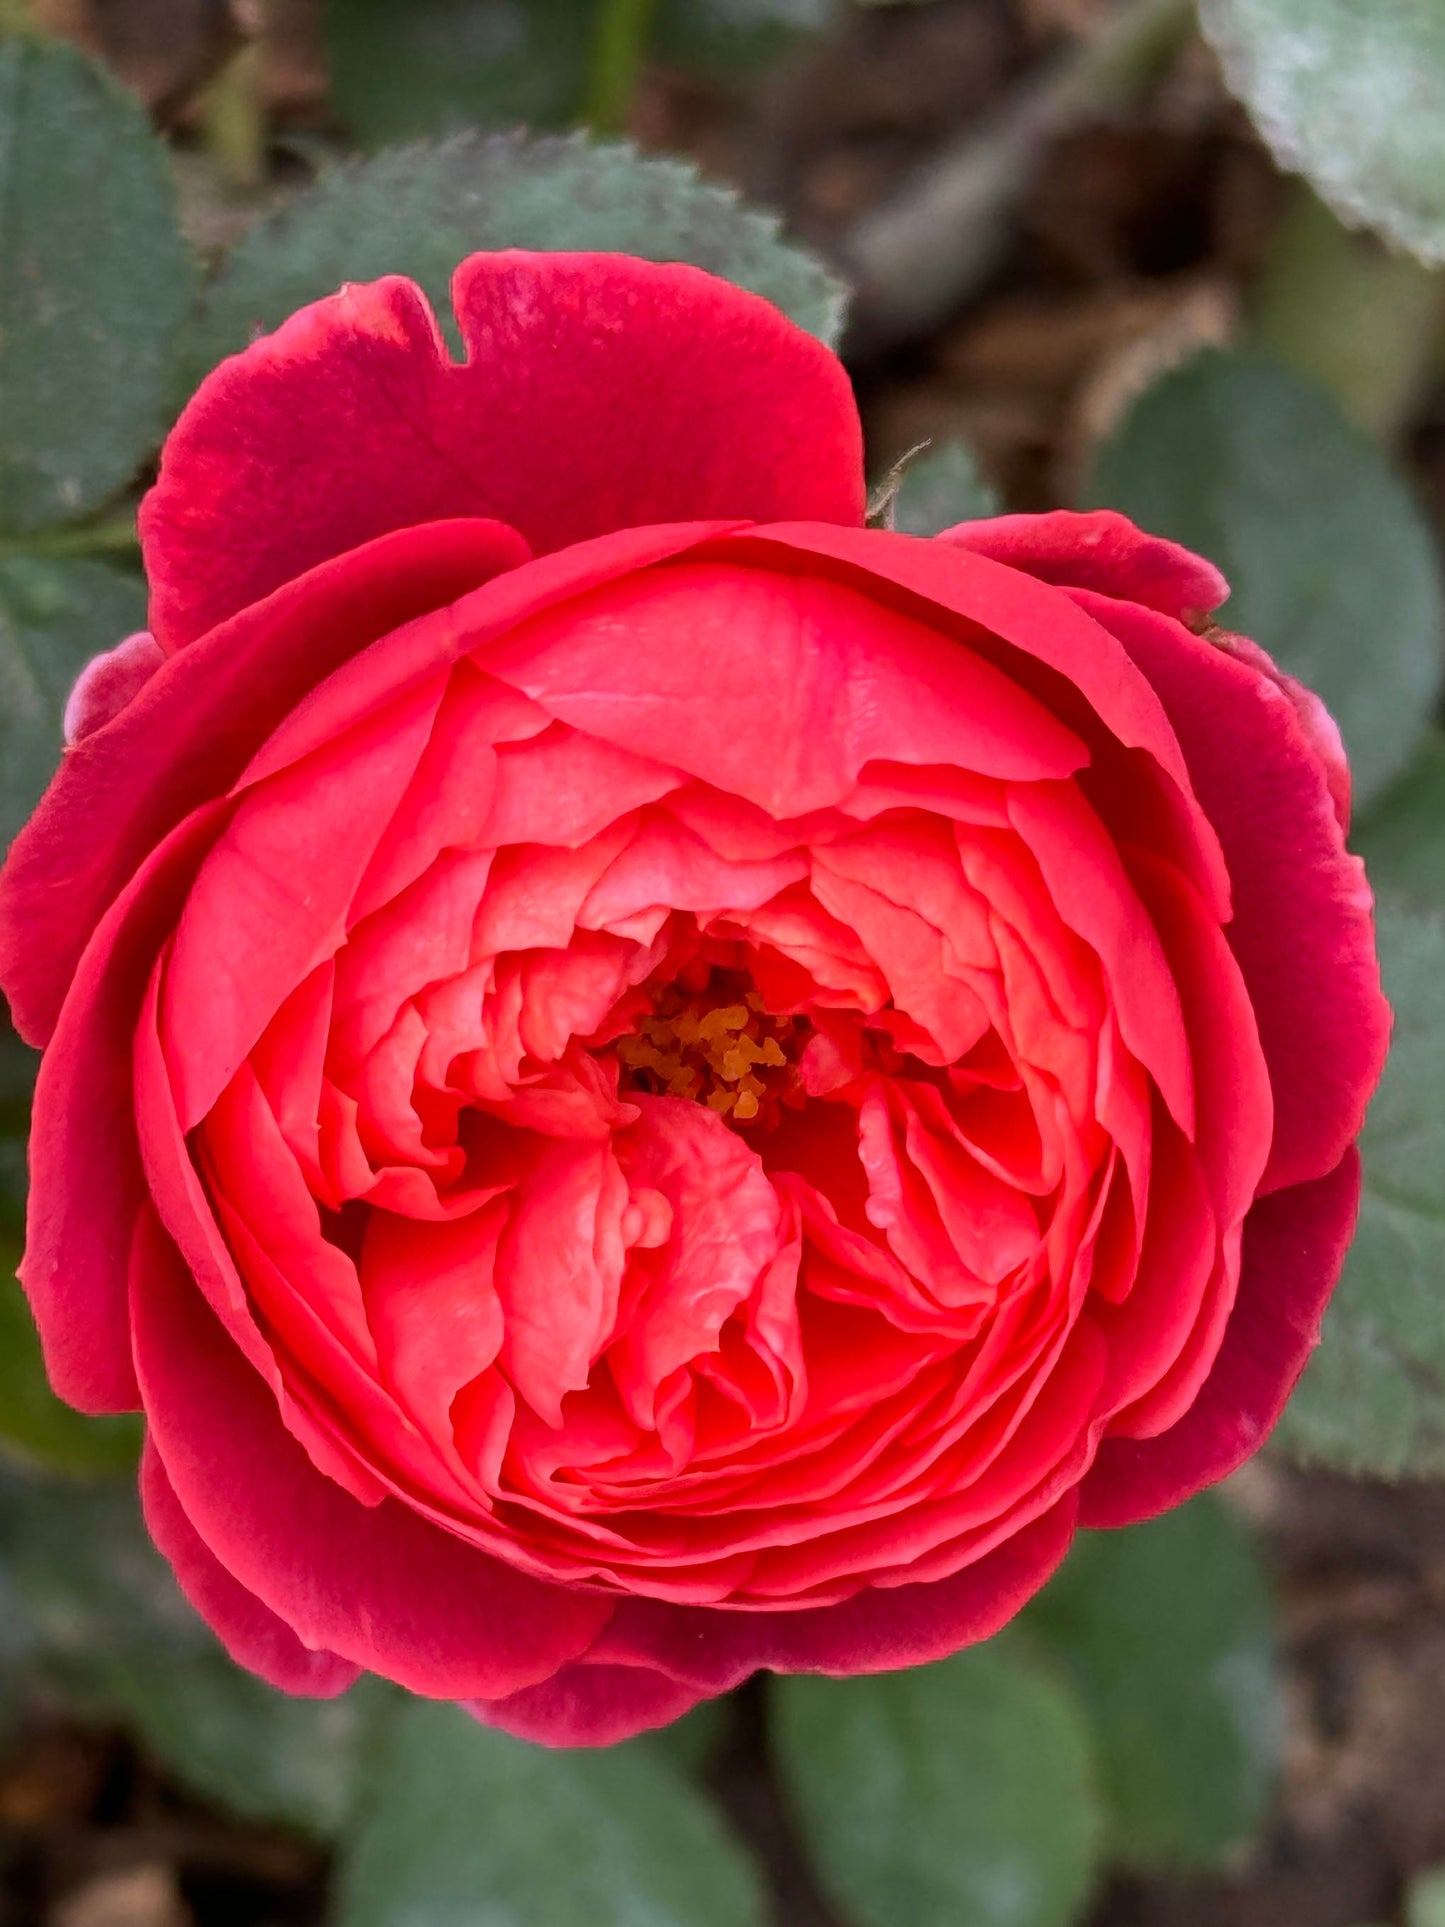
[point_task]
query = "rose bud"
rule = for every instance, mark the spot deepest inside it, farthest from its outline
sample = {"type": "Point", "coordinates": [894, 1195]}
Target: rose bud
{"type": "Point", "coordinates": [643, 1081]}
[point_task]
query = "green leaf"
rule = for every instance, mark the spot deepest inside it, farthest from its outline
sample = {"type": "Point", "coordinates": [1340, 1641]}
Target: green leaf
{"type": "Point", "coordinates": [467, 1825]}
{"type": "Point", "coordinates": [34, 1423]}
{"type": "Point", "coordinates": [692, 1742]}
{"type": "Point", "coordinates": [1425, 1902]}
{"type": "Point", "coordinates": [951, 1794]}
{"type": "Point", "coordinates": [1402, 838]}
{"type": "Point", "coordinates": [95, 282]}
{"type": "Point", "coordinates": [1351, 97]}
{"type": "Point", "coordinates": [84, 1586]}
{"type": "Point", "coordinates": [421, 210]}
{"type": "Point", "coordinates": [262, 1755]}
{"type": "Point", "coordinates": [1167, 1633]}
{"type": "Point", "coordinates": [939, 488]}
{"type": "Point", "coordinates": [401, 68]}
{"type": "Point", "coordinates": [1373, 1397]}
{"type": "Point", "coordinates": [54, 616]}
{"type": "Point", "coordinates": [1332, 566]}
{"type": "Point", "coordinates": [407, 68]}
{"type": "Point", "coordinates": [87, 1602]}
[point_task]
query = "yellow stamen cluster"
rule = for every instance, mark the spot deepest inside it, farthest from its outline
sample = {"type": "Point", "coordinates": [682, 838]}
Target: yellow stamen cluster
{"type": "Point", "coordinates": [727, 1055]}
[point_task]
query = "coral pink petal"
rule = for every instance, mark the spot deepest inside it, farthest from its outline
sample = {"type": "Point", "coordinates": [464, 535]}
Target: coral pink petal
{"type": "Point", "coordinates": [189, 732]}
{"type": "Point", "coordinates": [989, 605]}
{"type": "Point", "coordinates": [377, 1585]}
{"type": "Point", "coordinates": [1303, 927]}
{"type": "Point", "coordinates": [1294, 1245]}
{"type": "Point", "coordinates": [586, 1705]}
{"type": "Point", "coordinates": [1099, 549]}
{"type": "Point", "coordinates": [876, 1631]}
{"type": "Point", "coordinates": [599, 392]}
{"type": "Point", "coordinates": [107, 683]}
{"type": "Point", "coordinates": [789, 683]}
{"type": "Point", "coordinates": [270, 902]}
{"type": "Point", "coordinates": [249, 1631]}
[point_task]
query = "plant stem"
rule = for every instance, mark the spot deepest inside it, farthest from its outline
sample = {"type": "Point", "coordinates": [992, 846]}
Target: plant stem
{"type": "Point", "coordinates": [620, 41]}
{"type": "Point", "coordinates": [233, 118]}
{"type": "Point", "coordinates": [1342, 308]}
{"type": "Point", "coordinates": [931, 245]}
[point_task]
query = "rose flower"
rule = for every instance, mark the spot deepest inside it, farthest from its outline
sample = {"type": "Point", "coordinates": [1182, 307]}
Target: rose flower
{"type": "Point", "coordinates": [641, 1080]}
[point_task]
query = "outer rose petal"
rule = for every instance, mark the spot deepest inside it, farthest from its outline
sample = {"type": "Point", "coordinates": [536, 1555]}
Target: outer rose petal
{"type": "Point", "coordinates": [251, 1634]}
{"type": "Point", "coordinates": [107, 683]}
{"type": "Point", "coordinates": [1294, 1245]}
{"type": "Point", "coordinates": [99, 839]}
{"type": "Point", "coordinates": [590, 1706]}
{"type": "Point", "coordinates": [874, 1632]}
{"type": "Point", "coordinates": [86, 1184]}
{"type": "Point", "coordinates": [1321, 730]}
{"type": "Point", "coordinates": [1303, 925]}
{"type": "Point", "coordinates": [1267, 764]}
{"type": "Point", "coordinates": [1098, 550]}
{"type": "Point", "coordinates": [377, 1585]}
{"type": "Point", "coordinates": [599, 393]}
{"type": "Point", "coordinates": [188, 733]}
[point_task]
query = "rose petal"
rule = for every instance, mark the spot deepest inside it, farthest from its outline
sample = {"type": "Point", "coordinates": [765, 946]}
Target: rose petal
{"type": "Point", "coordinates": [586, 1705]}
{"type": "Point", "coordinates": [107, 683]}
{"type": "Point", "coordinates": [1294, 1244]}
{"type": "Point", "coordinates": [250, 1633]}
{"type": "Point", "coordinates": [188, 733]}
{"type": "Point", "coordinates": [599, 393]}
{"type": "Point", "coordinates": [779, 686]}
{"type": "Point", "coordinates": [874, 1632]}
{"type": "Point", "coordinates": [377, 1585]}
{"type": "Point", "coordinates": [1303, 926]}
{"type": "Point", "coordinates": [1098, 549]}
{"type": "Point", "coordinates": [86, 1184]}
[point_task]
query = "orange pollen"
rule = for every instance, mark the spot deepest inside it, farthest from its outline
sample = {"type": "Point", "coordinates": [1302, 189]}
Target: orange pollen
{"type": "Point", "coordinates": [735, 1057]}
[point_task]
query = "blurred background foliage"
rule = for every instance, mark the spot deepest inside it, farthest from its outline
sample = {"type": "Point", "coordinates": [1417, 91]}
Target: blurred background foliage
{"type": "Point", "coordinates": [1177, 260]}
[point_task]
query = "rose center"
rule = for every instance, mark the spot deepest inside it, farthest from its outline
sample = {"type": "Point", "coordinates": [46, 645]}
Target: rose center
{"type": "Point", "coordinates": [717, 1043]}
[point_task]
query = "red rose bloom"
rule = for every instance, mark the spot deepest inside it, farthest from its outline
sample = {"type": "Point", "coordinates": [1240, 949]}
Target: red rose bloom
{"type": "Point", "coordinates": [643, 1081]}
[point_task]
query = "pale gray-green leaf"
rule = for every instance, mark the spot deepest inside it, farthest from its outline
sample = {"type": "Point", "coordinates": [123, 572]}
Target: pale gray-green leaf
{"type": "Point", "coordinates": [1332, 566]}
{"type": "Point", "coordinates": [87, 1603]}
{"type": "Point", "coordinates": [1351, 94]}
{"type": "Point", "coordinates": [1425, 1902]}
{"type": "Point", "coordinates": [420, 210]}
{"type": "Point", "coordinates": [940, 487]}
{"type": "Point", "coordinates": [1166, 1631]}
{"type": "Point", "coordinates": [86, 1586]}
{"type": "Point", "coordinates": [464, 1826]}
{"type": "Point", "coordinates": [691, 1743]}
{"type": "Point", "coordinates": [54, 616]}
{"type": "Point", "coordinates": [95, 282]}
{"type": "Point", "coordinates": [1402, 836]}
{"type": "Point", "coordinates": [261, 1754]}
{"type": "Point", "coordinates": [403, 68]}
{"type": "Point", "coordinates": [956, 1793]}
{"type": "Point", "coordinates": [1373, 1397]}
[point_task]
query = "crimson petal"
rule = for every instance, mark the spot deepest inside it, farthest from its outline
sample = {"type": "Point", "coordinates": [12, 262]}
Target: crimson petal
{"type": "Point", "coordinates": [1294, 1244]}
{"type": "Point", "coordinates": [598, 393]}
{"type": "Point", "coordinates": [250, 1633]}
